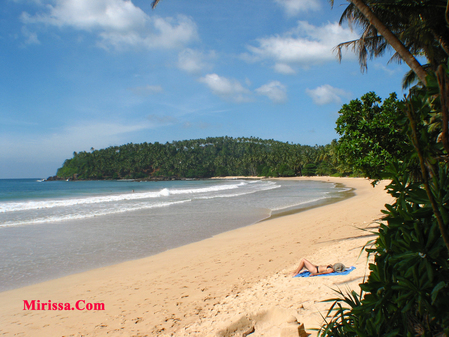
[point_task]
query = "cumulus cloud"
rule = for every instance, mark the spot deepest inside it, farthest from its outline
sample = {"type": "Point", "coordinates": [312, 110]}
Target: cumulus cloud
{"type": "Point", "coordinates": [304, 45]}
{"type": "Point", "coordinates": [228, 89]}
{"type": "Point", "coordinates": [118, 23]}
{"type": "Point", "coordinates": [274, 90]}
{"type": "Point", "coordinates": [233, 90]}
{"type": "Point", "coordinates": [327, 94]}
{"type": "Point", "coordinates": [193, 61]}
{"type": "Point", "coordinates": [117, 15]}
{"type": "Point", "coordinates": [294, 7]}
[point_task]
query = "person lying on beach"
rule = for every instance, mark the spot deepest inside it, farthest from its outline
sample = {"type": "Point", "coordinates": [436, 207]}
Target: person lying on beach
{"type": "Point", "coordinates": [318, 270]}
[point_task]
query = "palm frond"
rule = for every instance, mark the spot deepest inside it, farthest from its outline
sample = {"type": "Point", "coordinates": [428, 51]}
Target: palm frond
{"type": "Point", "coordinates": [154, 4]}
{"type": "Point", "coordinates": [410, 77]}
{"type": "Point", "coordinates": [421, 27]}
{"type": "Point", "coordinates": [369, 45]}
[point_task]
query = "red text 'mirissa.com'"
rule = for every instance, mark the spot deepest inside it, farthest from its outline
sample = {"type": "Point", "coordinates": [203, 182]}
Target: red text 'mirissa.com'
{"type": "Point", "coordinates": [49, 305]}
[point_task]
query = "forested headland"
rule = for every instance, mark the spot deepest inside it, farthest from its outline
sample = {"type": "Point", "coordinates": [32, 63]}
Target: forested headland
{"type": "Point", "coordinates": [370, 131]}
{"type": "Point", "coordinates": [204, 158]}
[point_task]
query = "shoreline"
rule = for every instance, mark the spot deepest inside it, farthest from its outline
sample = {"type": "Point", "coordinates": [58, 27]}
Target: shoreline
{"type": "Point", "coordinates": [172, 292]}
{"type": "Point", "coordinates": [81, 232]}
{"type": "Point", "coordinates": [296, 209]}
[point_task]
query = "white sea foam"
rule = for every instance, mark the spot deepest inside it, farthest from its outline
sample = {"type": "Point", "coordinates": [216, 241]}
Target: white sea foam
{"type": "Point", "coordinates": [246, 192]}
{"type": "Point", "coordinates": [299, 203]}
{"type": "Point", "coordinates": [50, 203]}
{"type": "Point", "coordinates": [51, 210]}
{"type": "Point", "coordinates": [165, 192]}
{"type": "Point", "coordinates": [77, 216]}
{"type": "Point", "coordinates": [215, 188]}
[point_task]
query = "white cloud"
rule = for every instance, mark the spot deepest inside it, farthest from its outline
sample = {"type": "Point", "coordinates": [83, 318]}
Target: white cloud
{"type": "Point", "coordinates": [304, 45]}
{"type": "Point", "coordinates": [117, 15]}
{"type": "Point", "coordinates": [193, 61]}
{"type": "Point", "coordinates": [228, 89]}
{"type": "Point", "coordinates": [118, 23]}
{"type": "Point", "coordinates": [31, 38]}
{"type": "Point", "coordinates": [327, 94]}
{"type": "Point", "coordinates": [389, 71]}
{"type": "Point", "coordinates": [233, 90]}
{"type": "Point", "coordinates": [274, 90]}
{"type": "Point", "coordinates": [284, 69]}
{"type": "Point", "coordinates": [294, 7]}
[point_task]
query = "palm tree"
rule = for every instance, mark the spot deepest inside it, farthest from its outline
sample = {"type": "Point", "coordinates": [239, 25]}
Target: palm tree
{"type": "Point", "coordinates": [377, 35]}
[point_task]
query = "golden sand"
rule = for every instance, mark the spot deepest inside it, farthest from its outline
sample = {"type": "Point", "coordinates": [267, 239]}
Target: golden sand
{"type": "Point", "coordinates": [234, 280]}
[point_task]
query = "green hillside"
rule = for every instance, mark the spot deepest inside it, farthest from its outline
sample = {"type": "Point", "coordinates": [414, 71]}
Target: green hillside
{"type": "Point", "coordinates": [202, 158]}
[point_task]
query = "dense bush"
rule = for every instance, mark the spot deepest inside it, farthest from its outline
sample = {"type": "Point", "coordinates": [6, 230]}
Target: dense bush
{"type": "Point", "coordinates": [407, 290]}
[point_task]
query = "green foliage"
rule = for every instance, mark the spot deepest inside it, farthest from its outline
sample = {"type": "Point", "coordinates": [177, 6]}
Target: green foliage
{"type": "Point", "coordinates": [407, 290]}
{"type": "Point", "coordinates": [309, 170]}
{"type": "Point", "coordinates": [344, 319]}
{"type": "Point", "coordinates": [371, 133]}
{"type": "Point", "coordinates": [406, 293]}
{"type": "Point", "coordinates": [201, 158]}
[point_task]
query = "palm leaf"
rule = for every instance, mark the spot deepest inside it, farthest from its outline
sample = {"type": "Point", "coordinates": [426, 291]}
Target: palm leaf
{"type": "Point", "coordinates": [154, 4]}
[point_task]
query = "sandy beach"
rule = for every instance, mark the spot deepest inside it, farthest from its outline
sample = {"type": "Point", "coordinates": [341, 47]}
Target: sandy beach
{"type": "Point", "coordinates": [221, 286]}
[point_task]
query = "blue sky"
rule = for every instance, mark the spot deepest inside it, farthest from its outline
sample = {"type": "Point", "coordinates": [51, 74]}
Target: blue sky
{"type": "Point", "coordinates": [77, 74]}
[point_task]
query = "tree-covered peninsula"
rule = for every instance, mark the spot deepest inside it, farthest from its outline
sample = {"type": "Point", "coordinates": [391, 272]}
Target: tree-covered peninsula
{"type": "Point", "coordinates": [203, 158]}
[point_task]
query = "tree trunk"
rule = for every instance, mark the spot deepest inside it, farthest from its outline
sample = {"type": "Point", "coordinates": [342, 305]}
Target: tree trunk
{"type": "Point", "coordinates": [447, 13]}
{"type": "Point", "coordinates": [392, 40]}
{"type": "Point", "coordinates": [443, 83]}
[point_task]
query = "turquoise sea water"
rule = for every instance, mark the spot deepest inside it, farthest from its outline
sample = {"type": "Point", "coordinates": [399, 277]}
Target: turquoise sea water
{"type": "Point", "coordinates": [52, 229]}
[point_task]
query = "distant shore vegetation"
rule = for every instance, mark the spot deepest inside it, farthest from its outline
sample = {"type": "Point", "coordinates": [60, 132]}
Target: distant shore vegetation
{"type": "Point", "coordinates": [204, 158]}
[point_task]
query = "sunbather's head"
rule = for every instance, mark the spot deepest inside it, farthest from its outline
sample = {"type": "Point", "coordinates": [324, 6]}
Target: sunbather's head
{"type": "Point", "coordinates": [339, 267]}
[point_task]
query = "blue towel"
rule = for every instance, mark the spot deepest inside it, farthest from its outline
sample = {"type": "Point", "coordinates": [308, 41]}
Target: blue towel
{"type": "Point", "coordinates": [307, 273]}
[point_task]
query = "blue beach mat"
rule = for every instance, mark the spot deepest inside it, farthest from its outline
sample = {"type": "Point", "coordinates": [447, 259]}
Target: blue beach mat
{"type": "Point", "coordinates": [307, 273]}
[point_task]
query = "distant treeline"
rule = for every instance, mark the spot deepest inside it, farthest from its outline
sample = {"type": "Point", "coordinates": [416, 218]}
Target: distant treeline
{"type": "Point", "coordinates": [203, 158]}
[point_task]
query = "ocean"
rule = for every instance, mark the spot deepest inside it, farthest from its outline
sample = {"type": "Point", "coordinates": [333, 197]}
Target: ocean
{"type": "Point", "coordinates": [49, 229]}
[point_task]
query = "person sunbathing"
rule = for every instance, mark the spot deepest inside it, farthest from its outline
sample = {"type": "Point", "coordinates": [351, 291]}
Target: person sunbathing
{"type": "Point", "coordinates": [318, 270]}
